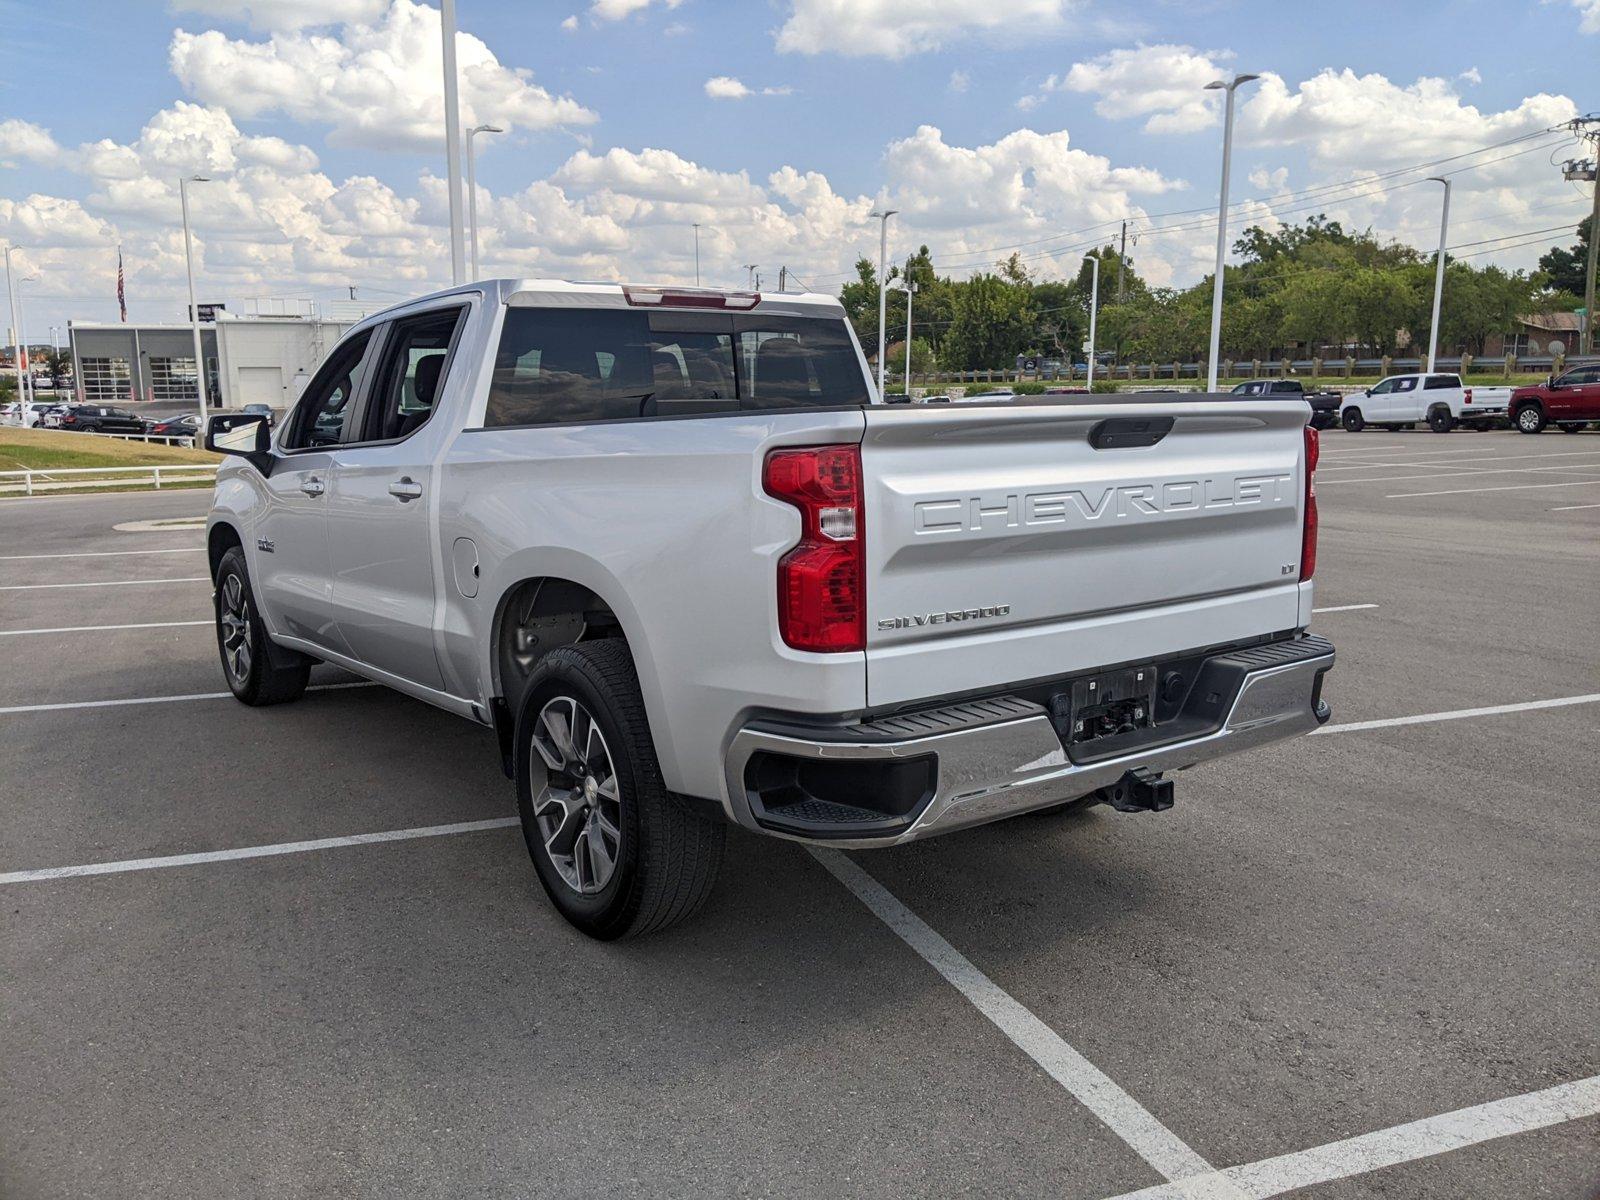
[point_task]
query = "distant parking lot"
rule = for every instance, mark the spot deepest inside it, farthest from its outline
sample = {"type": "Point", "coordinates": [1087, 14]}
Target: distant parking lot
{"type": "Point", "coordinates": [1362, 963]}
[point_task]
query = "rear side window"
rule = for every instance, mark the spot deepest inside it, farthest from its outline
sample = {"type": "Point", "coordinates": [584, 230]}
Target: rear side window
{"type": "Point", "coordinates": [1439, 382]}
{"type": "Point", "coordinates": [557, 366]}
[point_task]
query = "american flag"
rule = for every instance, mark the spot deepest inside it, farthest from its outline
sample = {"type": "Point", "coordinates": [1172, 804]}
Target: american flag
{"type": "Point", "coordinates": [122, 297]}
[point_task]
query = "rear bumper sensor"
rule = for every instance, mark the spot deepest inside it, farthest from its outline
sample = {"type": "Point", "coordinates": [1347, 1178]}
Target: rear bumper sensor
{"type": "Point", "coordinates": [912, 775]}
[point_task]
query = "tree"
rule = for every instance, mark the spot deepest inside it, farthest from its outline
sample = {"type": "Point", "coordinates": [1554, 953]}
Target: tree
{"type": "Point", "coordinates": [860, 300]}
{"type": "Point", "coordinates": [1562, 270]}
{"type": "Point", "coordinates": [990, 326]}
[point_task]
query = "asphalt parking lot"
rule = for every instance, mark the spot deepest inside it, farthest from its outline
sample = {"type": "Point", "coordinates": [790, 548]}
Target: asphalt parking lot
{"type": "Point", "coordinates": [1365, 962]}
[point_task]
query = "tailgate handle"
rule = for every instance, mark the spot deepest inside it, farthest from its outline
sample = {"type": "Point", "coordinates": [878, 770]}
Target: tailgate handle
{"type": "Point", "coordinates": [1118, 433]}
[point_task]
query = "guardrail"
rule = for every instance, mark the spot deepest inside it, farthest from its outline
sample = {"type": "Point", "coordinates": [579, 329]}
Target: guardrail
{"type": "Point", "coordinates": [31, 482]}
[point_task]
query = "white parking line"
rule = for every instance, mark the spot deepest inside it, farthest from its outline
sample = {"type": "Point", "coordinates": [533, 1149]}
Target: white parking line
{"type": "Point", "coordinates": [34, 708]}
{"type": "Point", "coordinates": [101, 553]}
{"type": "Point", "coordinates": [1574, 507]}
{"type": "Point", "coordinates": [1343, 608]}
{"type": "Point", "coordinates": [1571, 468]}
{"type": "Point", "coordinates": [102, 628]}
{"type": "Point", "coordinates": [211, 856]}
{"type": "Point", "coordinates": [1514, 487]}
{"type": "Point", "coordinates": [1465, 461]}
{"type": "Point", "coordinates": [1393, 1146]}
{"type": "Point", "coordinates": [1460, 714]}
{"type": "Point", "coordinates": [1092, 1088]}
{"type": "Point", "coordinates": [33, 587]}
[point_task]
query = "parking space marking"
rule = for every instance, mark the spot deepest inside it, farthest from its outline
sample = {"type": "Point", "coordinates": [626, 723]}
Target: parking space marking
{"type": "Point", "coordinates": [102, 628]}
{"type": "Point", "coordinates": [33, 587]}
{"type": "Point", "coordinates": [1092, 1088]}
{"type": "Point", "coordinates": [1513, 487]}
{"type": "Point", "coordinates": [211, 856]}
{"type": "Point", "coordinates": [1574, 507]}
{"type": "Point", "coordinates": [1393, 1146]}
{"type": "Point", "coordinates": [1465, 461]}
{"type": "Point", "coordinates": [75, 704]}
{"type": "Point", "coordinates": [1343, 608]}
{"type": "Point", "coordinates": [1459, 714]}
{"type": "Point", "coordinates": [1570, 468]}
{"type": "Point", "coordinates": [101, 553]}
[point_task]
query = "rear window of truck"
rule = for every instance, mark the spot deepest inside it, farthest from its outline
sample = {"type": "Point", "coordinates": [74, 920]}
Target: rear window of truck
{"type": "Point", "coordinates": [564, 366]}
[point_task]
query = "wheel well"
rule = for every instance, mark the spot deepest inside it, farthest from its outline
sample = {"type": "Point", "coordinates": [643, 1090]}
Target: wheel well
{"type": "Point", "coordinates": [1522, 404]}
{"type": "Point", "coordinates": [538, 615]}
{"type": "Point", "coordinates": [222, 538]}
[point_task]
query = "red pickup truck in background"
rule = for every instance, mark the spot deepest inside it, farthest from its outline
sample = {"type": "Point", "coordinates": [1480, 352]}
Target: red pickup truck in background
{"type": "Point", "coordinates": [1570, 400]}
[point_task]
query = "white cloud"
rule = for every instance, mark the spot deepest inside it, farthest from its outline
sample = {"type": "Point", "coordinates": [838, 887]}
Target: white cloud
{"type": "Point", "coordinates": [726, 87]}
{"type": "Point", "coordinates": [24, 139]}
{"type": "Point", "coordinates": [377, 85]}
{"type": "Point", "coordinates": [571, 23]}
{"type": "Point", "coordinates": [617, 10]}
{"type": "Point", "coordinates": [268, 15]}
{"type": "Point", "coordinates": [1589, 14]}
{"type": "Point", "coordinates": [1269, 181]}
{"type": "Point", "coordinates": [894, 29]}
{"type": "Point", "coordinates": [1164, 83]}
{"type": "Point", "coordinates": [960, 81]}
{"type": "Point", "coordinates": [1473, 75]}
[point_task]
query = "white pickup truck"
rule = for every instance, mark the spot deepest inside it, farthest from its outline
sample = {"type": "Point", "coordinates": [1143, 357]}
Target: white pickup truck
{"type": "Point", "coordinates": [1401, 401]}
{"type": "Point", "coordinates": [671, 547]}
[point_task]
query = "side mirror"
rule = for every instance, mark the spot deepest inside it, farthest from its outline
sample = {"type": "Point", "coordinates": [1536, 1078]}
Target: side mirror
{"type": "Point", "coordinates": [245, 434]}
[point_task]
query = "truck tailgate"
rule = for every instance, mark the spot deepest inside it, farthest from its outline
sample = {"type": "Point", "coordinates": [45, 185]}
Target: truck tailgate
{"type": "Point", "coordinates": [1002, 545]}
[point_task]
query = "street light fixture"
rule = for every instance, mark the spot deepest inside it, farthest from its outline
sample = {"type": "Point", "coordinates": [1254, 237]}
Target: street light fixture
{"type": "Point", "coordinates": [1222, 223]}
{"type": "Point", "coordinates": [194, 308]}
{"type": "Point", "coordinates": [1438, 274]}
{"type": "Point", "coordinates": [883, 285]}
{"type": "Point", "coordinates": [1094, 309]}
{"type": "Point", "coordinates": [472, 189]}
{"type": "Point", "coordinates": [750, 274]}
{"type": "Point", "coordinates": [30, 395]}
{"type": "Point", "coordinates": [910, 289]}
{"type": "Point", "coordinates": [16, 333]}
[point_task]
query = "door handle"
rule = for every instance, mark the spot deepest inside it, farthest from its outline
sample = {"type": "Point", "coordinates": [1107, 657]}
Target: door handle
{"type": "Point", "coordinates": [312, 486]}
{"type": "Point", "coordinates": [405, 488]}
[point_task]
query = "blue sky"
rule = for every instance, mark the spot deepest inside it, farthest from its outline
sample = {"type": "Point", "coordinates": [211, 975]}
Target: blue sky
{"type": "Point", "coordinates": [990, 124]}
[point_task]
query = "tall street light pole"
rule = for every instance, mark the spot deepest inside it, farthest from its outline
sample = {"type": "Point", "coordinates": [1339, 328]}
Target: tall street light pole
{"type": "Point", "coordinates": [883, 286]}
{"type": "Point", "coordinates": [452, 140]}
{"type": "Point", "coordinates": [1094, 309]}
{"type": "Point", "coordinates": [194, 309]}
{"type": "Point", "coordinates": [16, 331]}
{"type": "Point", "coordinates": [472, 189]}
{"type": "Point", "coordinates": [697, 254]}
{"type": "Point", "coordinates": [1438, 274]}
{"type": "Point", "coordinates": [1222, 224]}
{"type": "Point", "coordinates": [30, 395]}
{"type": "Point", "coordinates": [910, 289]}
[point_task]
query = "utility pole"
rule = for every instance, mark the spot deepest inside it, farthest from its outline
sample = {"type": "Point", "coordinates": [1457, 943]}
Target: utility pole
{"type": "Point", "coordinates": [1588, 128]}
{"type": "Point", "coordinates": [750, 276]}
{"type": "Point", "coordinates": [1094, 309]}
{"type": "Point", "coordinates": [194, 309]}
{"type": "Point", "coordinates": [452, 143]}
{"type": "Point", "coordinates": [1438, 274]}
{"type": "Point", "coordinates": [1122, 261]}
{"type": "Point", "coordinates": [1222, 224]}
{"type": "Point", "coordinates": [783, 279]}
{"type": "Point", "coordinates": [883, 286]}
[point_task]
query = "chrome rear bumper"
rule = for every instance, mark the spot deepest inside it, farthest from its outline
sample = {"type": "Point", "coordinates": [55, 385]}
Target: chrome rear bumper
{"type": "Point", "coordinates": [1002, 756]}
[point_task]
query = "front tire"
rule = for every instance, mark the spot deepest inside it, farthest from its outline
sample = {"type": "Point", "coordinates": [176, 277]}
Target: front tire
{"type": "Point", "coordinates": [258, 672]}
{"type": "Point", "coordinates": [1440, 420]}
{"type": "Point", "coordinates": [1352, 420]}
{"type": "Point", "coordinates": [616, 852]}
{"type": "Point", "coordinates": [1529, 419]}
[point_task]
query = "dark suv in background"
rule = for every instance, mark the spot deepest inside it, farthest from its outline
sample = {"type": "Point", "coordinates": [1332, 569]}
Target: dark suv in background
{"type": "Point", "coordinates": [1324, 405]}
{"type": "Point", "coordinates": [100, 418]}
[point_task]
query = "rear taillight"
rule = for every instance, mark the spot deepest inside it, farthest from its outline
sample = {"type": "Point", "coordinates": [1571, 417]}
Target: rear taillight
{"type": "Point", "coordinates": [1308, 534]}
{"type": "Point", "coordinates": [822, 601]}
{"type": "Point", "coordinates": [1466, 395]}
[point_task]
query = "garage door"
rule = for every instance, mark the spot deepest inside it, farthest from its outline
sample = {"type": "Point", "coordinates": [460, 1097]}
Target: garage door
{"type": "Point", "coordinates": [260, 385]}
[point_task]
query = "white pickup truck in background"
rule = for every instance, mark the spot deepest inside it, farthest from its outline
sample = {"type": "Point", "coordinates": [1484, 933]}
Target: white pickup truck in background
{"type": "Point", "coordinates": [1400, 401]}
{"type": "Point", "coordinates": [669, 544]}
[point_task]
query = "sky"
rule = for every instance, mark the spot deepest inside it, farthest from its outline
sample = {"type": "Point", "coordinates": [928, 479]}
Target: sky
{"type": "Point", "coordinates": [993, 126]}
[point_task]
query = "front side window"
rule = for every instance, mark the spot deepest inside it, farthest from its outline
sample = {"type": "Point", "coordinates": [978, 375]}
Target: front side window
{"type": "Point", "coordinates": [577, 365]}
{"type": "Point", "coordinates": [411, 377]}
{"type": "Point", "coordinates": [1384, 388]}
{"type": "Point", "coordinates": [319, 418]}
{"type": "Point", "coordinates": [1580, 377]}
{"type": "Point", "coordinates": [1408, 384]}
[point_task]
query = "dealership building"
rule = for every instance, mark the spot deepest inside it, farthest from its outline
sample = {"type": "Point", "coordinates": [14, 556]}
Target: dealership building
{"type": "Point", "coordinates": [261, 356]}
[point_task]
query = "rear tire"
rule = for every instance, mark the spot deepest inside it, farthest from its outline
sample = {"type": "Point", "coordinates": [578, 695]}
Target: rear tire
{"type": "Point", "coordinates": [258, 671]}
{"type": "Point", "coordinates": [1529, 419]}
{"type": "Point", "coordinates": [617, 853]}
{"type": "Point", "coordinates": [1440, 420]}
{"type": "Point", "coordinates": [1352, 420]}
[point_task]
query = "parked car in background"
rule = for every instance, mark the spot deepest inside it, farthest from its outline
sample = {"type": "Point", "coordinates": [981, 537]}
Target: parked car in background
{"type": "Point", "coordinates": [10, 414]}
{"type": "Point", "coordinates": [1324, 405]}
{"type": "Point", "coordinates": [53, 414]}
{"type": "Point", "coordinates": [179, 426]}
{"type": "Point", "coordinates": [100, 418]}
{"type": "Point", "coordinates": [265, 410]}
{"type": "Point", "coordinates": [1401, 401]}
{"type": "Point", "coordinates": [988, 397]}
{"type": "Point", "coordinates": [1570, 400]}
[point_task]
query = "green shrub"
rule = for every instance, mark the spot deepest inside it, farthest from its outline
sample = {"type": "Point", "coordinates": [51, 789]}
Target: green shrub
{"type": "Point", "coordinates": [1102, 386]}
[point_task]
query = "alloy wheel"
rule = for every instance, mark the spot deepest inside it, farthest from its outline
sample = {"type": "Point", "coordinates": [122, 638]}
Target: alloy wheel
{"type": "Point", "coordinates": [576, 804]}
{"type": "Point", "coordinates": [235, 618]}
